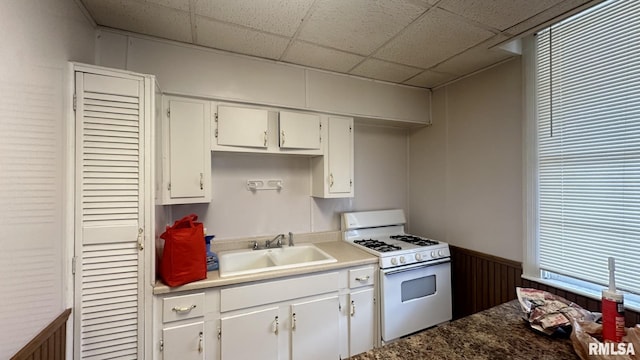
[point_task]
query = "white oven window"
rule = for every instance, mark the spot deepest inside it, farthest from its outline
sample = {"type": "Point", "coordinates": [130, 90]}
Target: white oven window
{"type": "Point", "coordinates": [418, 288]}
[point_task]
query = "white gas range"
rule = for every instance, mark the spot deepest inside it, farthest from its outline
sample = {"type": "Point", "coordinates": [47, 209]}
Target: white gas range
{"type": "Point", "coordinates": [415, 272]}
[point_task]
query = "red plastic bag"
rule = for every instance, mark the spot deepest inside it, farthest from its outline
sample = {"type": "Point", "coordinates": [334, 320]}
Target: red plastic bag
{"type": "Point", "coordinates": [184, 258]}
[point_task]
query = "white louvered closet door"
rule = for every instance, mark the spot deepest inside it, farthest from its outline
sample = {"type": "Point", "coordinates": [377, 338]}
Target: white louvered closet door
{"type": "Point", "coordinates": [109, 217]}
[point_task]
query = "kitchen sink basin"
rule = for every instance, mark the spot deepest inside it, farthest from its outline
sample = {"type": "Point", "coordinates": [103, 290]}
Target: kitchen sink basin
{"type": "Point", "coordinates": [244, 262]}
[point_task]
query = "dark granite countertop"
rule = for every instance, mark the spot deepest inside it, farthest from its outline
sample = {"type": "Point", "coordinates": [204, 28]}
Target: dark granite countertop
{"type": "Point", "coordinates": [496, 333]}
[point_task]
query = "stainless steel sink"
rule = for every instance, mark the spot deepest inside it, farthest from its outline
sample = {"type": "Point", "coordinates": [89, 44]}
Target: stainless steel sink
{"type": "Point", "coordinates": [243, 262]}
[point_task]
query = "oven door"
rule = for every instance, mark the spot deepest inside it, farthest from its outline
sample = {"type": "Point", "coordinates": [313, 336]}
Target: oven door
{"type": "Point", "coordinates": [414, 297]}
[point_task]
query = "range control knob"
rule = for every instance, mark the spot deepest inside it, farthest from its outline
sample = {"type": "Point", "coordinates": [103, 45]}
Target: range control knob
{"type": "Point", "coordinates": [433, 254]}
{"type": "Point", "coordinates": [394, 261]}
{"type": "Point", "coordinates": [402, 260]}
{"type": "Point", "coordinates": [419, 257]}
{"type": "Point", "coordinates": [440, 253]}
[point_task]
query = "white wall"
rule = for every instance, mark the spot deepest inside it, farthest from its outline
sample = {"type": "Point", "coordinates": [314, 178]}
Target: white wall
{"type": "Point", "coordinates": [466, 169]}
{"type": "Point", "coordinates": [191, 70]}
{"type": "Point", "coordinates": [38, 37]}
{"type": "Point", "coordinates": [234, 212]}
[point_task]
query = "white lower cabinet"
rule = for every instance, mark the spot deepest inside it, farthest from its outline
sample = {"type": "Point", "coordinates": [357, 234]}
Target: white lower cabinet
{"type": "Point", "coordinates": [318, 316]}
{"type": "Point", "coordinates": [361, 321]}
{"type": "Point", "coordinates": [184, 342]}
{"type": "Point", "coordinates": [314, 329]}
{"type": "Point", "coordinates": [250, 335]}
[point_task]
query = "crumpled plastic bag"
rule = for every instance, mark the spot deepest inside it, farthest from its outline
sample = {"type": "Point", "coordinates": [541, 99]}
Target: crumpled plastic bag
{"type": "Point", "coordinates": [586, 336]}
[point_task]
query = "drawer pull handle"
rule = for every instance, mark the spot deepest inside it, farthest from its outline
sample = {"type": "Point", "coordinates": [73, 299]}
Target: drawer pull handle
{"type": "Point", "coordinates": [183, 309]}
{"type": "Point", "coordinates": [363, 278]}
{"type": "Point", "coordinates": [200, 343]}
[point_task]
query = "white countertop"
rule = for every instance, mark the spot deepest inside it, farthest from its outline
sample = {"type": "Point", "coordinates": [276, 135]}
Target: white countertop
{"type": "Point", "coordinates": [346, 255]}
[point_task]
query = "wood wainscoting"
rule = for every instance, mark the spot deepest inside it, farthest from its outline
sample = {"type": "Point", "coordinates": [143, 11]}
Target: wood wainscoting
{"type": "Point", "coordinates": [49, 344]}
{"type": "Point", "coordinates": [481, 281]}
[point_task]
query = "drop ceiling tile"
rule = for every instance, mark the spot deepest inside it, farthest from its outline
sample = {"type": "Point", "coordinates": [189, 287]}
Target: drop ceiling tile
{"type": "Point", "coordinates": [320, 57]}
{"type": "Point", "coordinates": [430, 79]}
{"type": "Point", "coordinates": [498, 14]}
{"type": "Point", "coordinates": [238, 39]}
{"type": "Point", "coordinates": [472, 60]}
{"type": "Point", "coordinates": [432, 39]}
{"type": "Point", "coordinates": [144, 18]}
{"type": "Point", "coordinates": [559, 10]}
{"type": "Point", "coordinates": [358, 26]}
{"type": "Point", "coordinates": [174, 4]}
{"type": "Point", "coordinates": [382, 70]}
{"type": "Point", "coordinates": [281, 17]}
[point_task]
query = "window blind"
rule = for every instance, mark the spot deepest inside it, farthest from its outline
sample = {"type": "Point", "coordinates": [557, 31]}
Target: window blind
{"type": "Point", "coordinates": [588, 111]}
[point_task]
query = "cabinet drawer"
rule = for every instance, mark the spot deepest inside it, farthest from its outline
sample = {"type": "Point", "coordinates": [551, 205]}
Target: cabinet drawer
{"type": "Point", "coordinates": [182, 307]}
{"type": "Point", "coordinates": [361, 277]}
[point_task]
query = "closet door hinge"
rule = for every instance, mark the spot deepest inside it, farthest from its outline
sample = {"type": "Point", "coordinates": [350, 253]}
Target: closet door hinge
{"type": "Point", "coordinates": [75, 101]}
{"type": "Point", "coordinates": [216, 117]}
{"type": "Point", "coordinates": [161, 345]}
{"type": "Point", "coordinates": [74, 260]}
{"type": "Point", "coordinates": [216, 134]}
{"type": "Point", "coordinates": [350, 128]}
{"type": "Point", "coordinates": [168, 112]}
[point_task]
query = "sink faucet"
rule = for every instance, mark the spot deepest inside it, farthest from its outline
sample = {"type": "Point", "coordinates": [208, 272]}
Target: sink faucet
{"type": "Point", "coordinates": [290, 238]}
{"type": "Point", "coordinates": [277, 239]}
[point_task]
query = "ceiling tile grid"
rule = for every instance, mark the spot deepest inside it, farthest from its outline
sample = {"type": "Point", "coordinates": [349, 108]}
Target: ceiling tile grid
{"type": "Point", "coordinates": [282, 17]}
{"type": "Point", "coordinates": [239, 39]}
{"type": "Point", "coordinates": [358, 26]}
{"type": "Point", "coordinates": [422, 43]}
{"type": "Point", "coordinates": [320, 57]}
{"type": "Point", "coordinates": [434, 38]}
{"type": "Point", "coordinates": [383, 70]}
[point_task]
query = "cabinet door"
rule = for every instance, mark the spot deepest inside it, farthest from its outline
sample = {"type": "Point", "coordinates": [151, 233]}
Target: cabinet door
{"type": "Point", "coordinates": [112, 168]}
{"type": "Point", "coordinates": [340, 155]}
{"type": "Point", "coordinates": [184, 342]}
{"type": "Point", "coordinates": [189, 149]}
{"type": "Point", "coordinates": [314, 329]}
{"type": "Point", "coordinates": [252, 335]}
{"type": "Point", "coordinates": [299, 131]}
{"type": "Point", "coordinates": [242, 127]}
{"type": "Point", "coordinates": [361, 321]}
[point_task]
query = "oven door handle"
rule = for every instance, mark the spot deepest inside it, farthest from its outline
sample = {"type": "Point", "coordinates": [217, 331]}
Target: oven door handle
{"type": "Point", "coordinates": [413, 267]}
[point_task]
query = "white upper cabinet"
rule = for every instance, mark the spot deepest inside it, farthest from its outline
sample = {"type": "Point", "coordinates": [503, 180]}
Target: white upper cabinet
{"type": "Point", "coordinates": [299, 130]}
{"type": "Point", "coordinates": [186, 159]}
{"type": "Point", "coordinates": [265, 130]}
{"type": "Point", "coordinates": [241, 127]}
{"type": "Point", "coordinates": [332, 174]}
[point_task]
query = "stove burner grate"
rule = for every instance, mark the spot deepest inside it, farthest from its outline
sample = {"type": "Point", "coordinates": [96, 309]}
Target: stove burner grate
{"type": "Point", "coordinates": [377, 245]}
{"type": "Point", "coordinates": [414, 240]}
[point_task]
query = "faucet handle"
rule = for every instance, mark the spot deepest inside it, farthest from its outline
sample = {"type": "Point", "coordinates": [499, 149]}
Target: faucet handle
{"type": "Point", "coordinates": [254, 245]}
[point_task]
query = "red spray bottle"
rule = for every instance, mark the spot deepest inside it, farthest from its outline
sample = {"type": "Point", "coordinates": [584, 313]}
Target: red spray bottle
{"type": "Point", "coordinates": [612, 309]}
